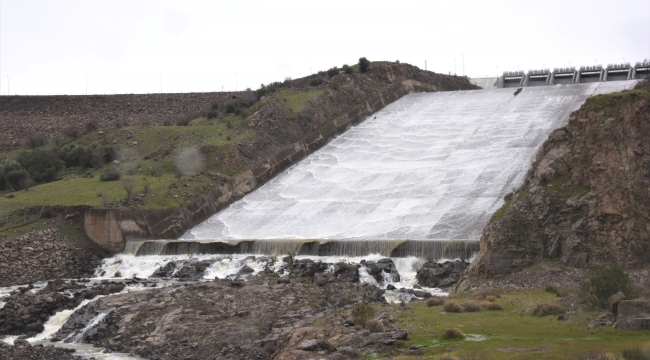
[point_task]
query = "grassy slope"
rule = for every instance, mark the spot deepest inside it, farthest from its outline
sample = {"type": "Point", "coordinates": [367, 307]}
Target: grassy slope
{"type": "Point", "coordinates": [513, 333]}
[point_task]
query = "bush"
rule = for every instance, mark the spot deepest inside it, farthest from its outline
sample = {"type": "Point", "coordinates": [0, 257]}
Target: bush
{"type": "Point", "coordinates": [347, 69]}
{"type": "Point", "coordinates": [12, 176]}
{"type": "Point", "coordinates": [448, 357]}
{"type": "Point", "coordinates": [110, 175]}
{"type": "Point", "coordinates": [400, 344]}
{"type": "Point", "coordinates": [483, 294]}
{"type": "Point", "coordinates": [184, 120]}
{"type": "Point", "coordinates": [551, 289]}
{"type": "Point", "coordinates": [594, 355]}
{"type": "Point", "coordinates": [471, 306]}
{"type": "Point", "coordinates": [211, 114]}
{"type": "Point", "coordinates": [362, 312]}
{"type": "Point", "coordinates": [605, 282]}
{"type": "Point", "coordinates": [548, 309]}
{"type": "Point", "coordinates": [375, 326]}
{"type": "Point", "coordinates": [453, 333]}
{"type": "Point", "coordinates": [90, 125]}
{"type": "Point", "coordinates": [42, 165]}
{"type": "Point", "coordinates": [364, 64]}
{"type": "Point", "coordinates": [452, 306]}
{"type": "Point", "coordinates": [494, 306]}
{"type": "Point", "coordinates": [77, 156]}
{"type": "Point", "coordinates": [333, 71]}
{"type": "Point", "coordinates": [436, 301]}
{"type": "Point", "coordinates": [315, 82]}
{"type": "Point", "coordinates": [491, 298]}
{"type": "Point", "coordinates": [35, 140]}
{"type": "Point", "coordinates": [636, 352]}
{"type": "Point", "coordinates": [71, 132]}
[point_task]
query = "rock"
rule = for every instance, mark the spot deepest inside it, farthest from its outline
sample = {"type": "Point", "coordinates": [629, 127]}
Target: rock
{"type": "Point", "coordinates": [21, 342]}
{"type": "Point", "coordinates": [614, 300]}
{"type": "Point", "coordinates": [246, 270]}
{"type": "Point", "coordinates": [350, 352]}
{"type": "Point", "coordinates": [441, 275]}
{"type": "Point", "coordinates": [633, 315]}
{"type": "Point", "coordinates": [314, 344]}
{"type": "Point", "coordinates": [284, 280]}
{"type": "Point", "coordinates": [383, 267]}
{"type": "Point", "coordinates": [390, 287]}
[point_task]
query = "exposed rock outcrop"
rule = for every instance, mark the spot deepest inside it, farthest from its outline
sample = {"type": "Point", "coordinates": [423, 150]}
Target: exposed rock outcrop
{"type": "Point", "coordinates": [585, 199]}
{"type": "Point", "coordinates": [442, 275]}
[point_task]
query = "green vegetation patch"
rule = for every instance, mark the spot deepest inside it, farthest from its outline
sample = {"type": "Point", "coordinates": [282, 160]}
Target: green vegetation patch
{"type": "Point", "coordinates": [297, 101]}
{"type": "Point", "coordinates": [512, 333]}
{"type": "Point", "coordinates": [601, 102]}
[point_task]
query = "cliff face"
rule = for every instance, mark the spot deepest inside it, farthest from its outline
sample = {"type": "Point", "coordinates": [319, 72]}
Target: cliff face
{"type": "Point", "coordinates": [586, 199]}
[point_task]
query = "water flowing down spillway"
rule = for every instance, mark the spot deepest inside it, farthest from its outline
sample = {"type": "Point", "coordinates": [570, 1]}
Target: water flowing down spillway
{"type": "Point", "coordinates": [428, 166]}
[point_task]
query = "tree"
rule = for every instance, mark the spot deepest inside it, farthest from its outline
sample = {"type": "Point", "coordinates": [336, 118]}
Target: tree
{"type": "Point", "coordinates": [128, 185]}
{"type": "Point", "coordinates": [364, 64]}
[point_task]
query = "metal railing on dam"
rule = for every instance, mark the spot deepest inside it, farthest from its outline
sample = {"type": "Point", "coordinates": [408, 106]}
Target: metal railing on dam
{"type": "Point", "coordinates": [568, 75]}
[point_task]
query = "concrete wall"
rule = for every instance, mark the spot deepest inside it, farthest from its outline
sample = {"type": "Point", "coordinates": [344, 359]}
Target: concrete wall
{"type": "Point", "coordinates": [113, 227]}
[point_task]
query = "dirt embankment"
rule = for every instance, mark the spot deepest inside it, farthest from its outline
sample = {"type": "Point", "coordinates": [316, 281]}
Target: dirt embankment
{"type": "Point", "coordinates": [585, 201]}
{"type": "Point", "coordinates": [21, 116]}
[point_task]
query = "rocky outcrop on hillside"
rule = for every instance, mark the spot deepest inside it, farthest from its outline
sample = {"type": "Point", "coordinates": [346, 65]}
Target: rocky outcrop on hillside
{"type": "Point", "coordinates": [51, 115]}
{"type": "Point", "coordinates": [585, 200]}
{"type": "Point", "coordinates": [24, 351]}
{"type": "Point", "coordinates": [45, 254]}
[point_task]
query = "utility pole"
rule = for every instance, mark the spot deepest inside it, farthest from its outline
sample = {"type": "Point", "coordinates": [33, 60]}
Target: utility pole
{"type": "Point", "coordinates": [425, 65]}
{"type": "Point", "coordinates": [463, 63]}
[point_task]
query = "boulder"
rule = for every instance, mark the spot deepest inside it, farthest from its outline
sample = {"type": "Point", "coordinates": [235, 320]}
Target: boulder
{"type": "Point", "coordinates": [614, 300]}
{"type": "Point", "coordinates": [441, 274]}
{"type": "Point", "coordinates": [633, 315]}
{"type": "Point", "coordinates": [382, 268]}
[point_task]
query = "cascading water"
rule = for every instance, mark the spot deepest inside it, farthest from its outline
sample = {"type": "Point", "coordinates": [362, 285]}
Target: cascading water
{"type": "Point", "coordinates": [430, 166]}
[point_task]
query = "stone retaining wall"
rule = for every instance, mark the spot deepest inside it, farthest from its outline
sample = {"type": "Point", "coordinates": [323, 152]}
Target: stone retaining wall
{"type": "Point", "coordinates": [113, 227]}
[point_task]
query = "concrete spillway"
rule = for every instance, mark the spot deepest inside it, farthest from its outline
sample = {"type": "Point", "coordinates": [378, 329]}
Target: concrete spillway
{"type": "Point", "coordinates": [430, 166]}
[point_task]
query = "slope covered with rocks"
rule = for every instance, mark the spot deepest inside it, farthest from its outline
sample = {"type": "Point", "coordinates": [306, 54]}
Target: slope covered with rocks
{"type": "Point", "coordinates": [585, 201]}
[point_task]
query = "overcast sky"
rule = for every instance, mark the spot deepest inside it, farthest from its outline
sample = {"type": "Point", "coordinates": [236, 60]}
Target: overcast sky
{"type": "Point", "coordinates": [53, 46]}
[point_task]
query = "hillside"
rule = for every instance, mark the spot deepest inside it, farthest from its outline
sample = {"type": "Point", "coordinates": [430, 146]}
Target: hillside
{"type": "Point", "coordinates": [178, 146]}
{"type": "Point", "coordinates": [584, 201]}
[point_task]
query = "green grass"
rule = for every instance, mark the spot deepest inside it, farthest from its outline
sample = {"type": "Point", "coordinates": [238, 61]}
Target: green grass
{"type": "Point", "coordinates": [499, 214]}
{"type": "Point", "coordinates": [297, 101]}
{"type": "Point", "coordinates": [513, 333]}
{"type": "Point", "coordinates": [601, 102]}
{"type": "Point", "coordinates": [85, 191]}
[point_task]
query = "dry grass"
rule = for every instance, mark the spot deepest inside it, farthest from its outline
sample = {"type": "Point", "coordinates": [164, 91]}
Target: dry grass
{"type": "Point", "coordinates": [453, 333]}
{"type": "Point", "coordinates": [483, 294]}
{"type": "Point", "coordinates": [471, 306]}
{"type": "Point", "coordinates": [548, 309]}
{"type": "Point", "coordinates": [636, 352]}
{"type": "Point", "coordinates": [494, 306]}
{"type": "Point", "coordinates": [436, 301]}
{"type": "Point", "coordinates": [594, 355]}
{"type": "Point", "coordinates": [452, 306]}
{"type": "Point", "coordinates": [448, 357]}
{"type": "Point", "coordinates": [491, 298]}
{"type": "Point", "coordinates": [374, 326]}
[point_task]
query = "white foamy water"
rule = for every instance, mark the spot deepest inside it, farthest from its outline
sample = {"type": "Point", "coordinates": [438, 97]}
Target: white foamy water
{"type": "Point", "coordinates": [429, 166]}
{"type": "Point", "coordinates": [6, 291]}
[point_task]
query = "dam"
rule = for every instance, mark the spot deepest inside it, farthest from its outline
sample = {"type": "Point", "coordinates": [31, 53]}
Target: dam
{"type": "Point", "coordinates": [421, 177]}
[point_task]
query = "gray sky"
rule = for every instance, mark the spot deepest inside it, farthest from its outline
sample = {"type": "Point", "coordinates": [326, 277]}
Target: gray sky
{"type": "Point", "coordinates": [125, 46]}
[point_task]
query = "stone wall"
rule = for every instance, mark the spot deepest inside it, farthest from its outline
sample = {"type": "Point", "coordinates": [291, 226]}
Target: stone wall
{"type": "Point", "coordinates": [136, 225]}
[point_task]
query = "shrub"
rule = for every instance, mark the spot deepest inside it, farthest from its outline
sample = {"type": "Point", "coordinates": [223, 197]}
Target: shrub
{"type": "Point", "coordinates": [400, 344]}
{"type": "Point", "coordinates": [375, 326]}
{"type": "Point", "coordinates": [77, 156]}
{"type": "Point", "coordinates": [482, 294]}
{"type": "Point", "coordinates": [364, 64]}
{"type": "Point", "coordinates": [472, 355]}
{"type": "Point", "coordinates": [471, 306]}
{"type": "Point", "coordinates": [184, 120]}
{"type": "Point", "coordinates": [211, 114]}
{"type": "Point", "coordinates": [452, 306]}
{"type": "Point", "coordinates": [636, 352]}
{"type": "Point", "coordinates": [71, 132]}
{"type": "Point", "coordinates": [333, 71]}
{"type": "Point", "coordinates": [315, 82]}
{"type": "Point", "coordinates": [448, 357]}
{"type": "Point", "coordinates": [90, 125]}
{"type": "Point", "coordinates": [494, 306]}
{"type": "Point", "coordinates": [594, 355]}
{"type": "Point", "coordinates": [548, 309]}
{"type": "Point", "coordinates": [12, 176]}
{"type": "Point", "coordinates": [491, 298]}
{"type": "Point", "coordinates": [362, 312]}
{"type": "Point", "coordinates": [453, 333]}
{"type": "Point", "coordinates": [551, 289]}
{"type": "Point", "coordinates": [347, 69]}
{"type": "Point", "coordinates": [436, 301]}
{"type": "Point", "coordinates": [42, 165]}
{"type": "Point", "coordinates": [167, 123]}
{"type": "Point", "coordinates": [605, 282]}
{"type": "Point", "coordinates": [229, 125]}
{"type": "Point", "coordinates": [35, 140]}
{"type": "Point", "coordinates": [110, 175]}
